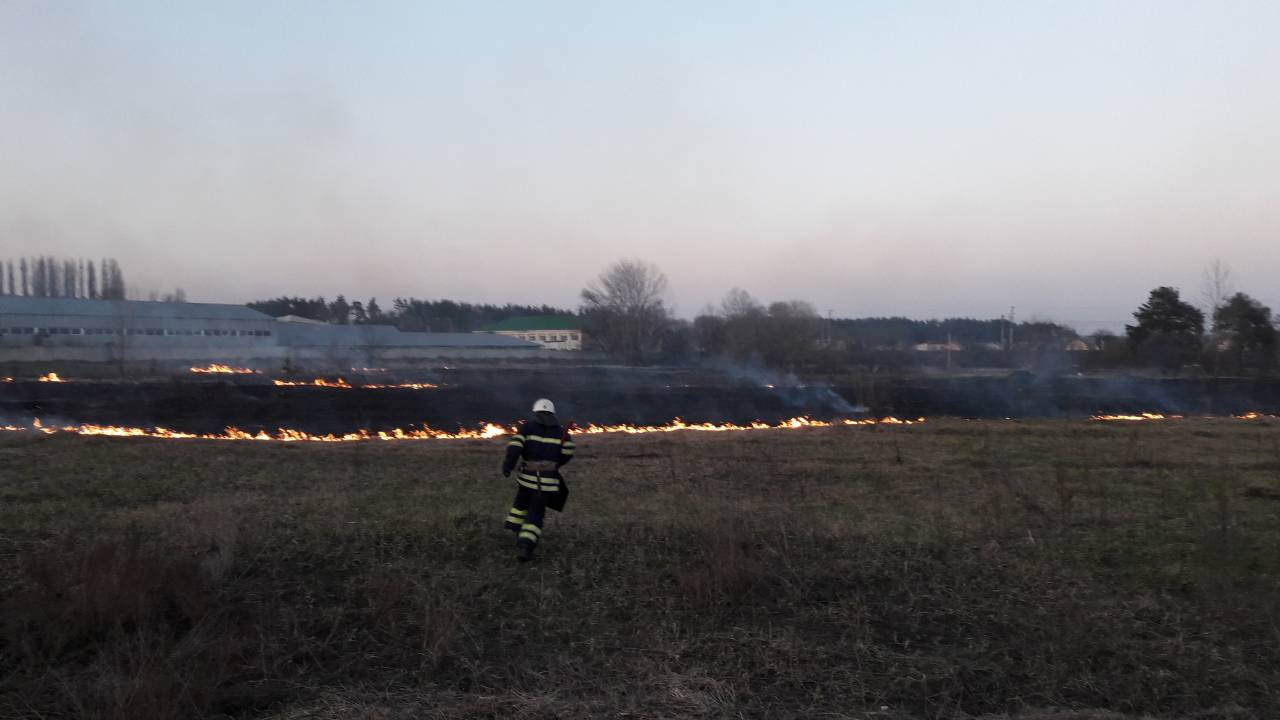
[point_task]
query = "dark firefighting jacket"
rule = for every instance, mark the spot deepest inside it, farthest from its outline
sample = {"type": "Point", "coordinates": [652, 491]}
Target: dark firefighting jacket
{"type": "Point", "coordinates": [540, 450]}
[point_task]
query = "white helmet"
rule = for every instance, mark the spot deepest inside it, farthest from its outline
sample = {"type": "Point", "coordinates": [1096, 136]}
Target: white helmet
{"type": "Point", "coordinates": [544, 405]}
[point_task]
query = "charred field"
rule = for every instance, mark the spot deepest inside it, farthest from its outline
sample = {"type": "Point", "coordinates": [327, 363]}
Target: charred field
{"type": "Point", "coordinates": [468, 397]}
{"type": "Point", "coordinates": [1047, 569]}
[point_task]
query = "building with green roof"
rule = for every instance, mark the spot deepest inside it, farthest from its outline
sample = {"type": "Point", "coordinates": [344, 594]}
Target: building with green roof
{"type": "Point", "coordinates": [553, 332]}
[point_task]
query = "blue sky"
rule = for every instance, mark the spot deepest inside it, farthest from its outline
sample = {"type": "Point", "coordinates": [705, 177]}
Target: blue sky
{"type": "Point", "coordinates": [917, 158]}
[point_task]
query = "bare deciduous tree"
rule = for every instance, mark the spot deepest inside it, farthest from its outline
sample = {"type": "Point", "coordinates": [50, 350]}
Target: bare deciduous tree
{"type": "Point", "coordinates": [625, 308]}
{"type": "Point", "coordinates": [1216, 286]}
{"type": "Point", "coordinates": [738, 303]}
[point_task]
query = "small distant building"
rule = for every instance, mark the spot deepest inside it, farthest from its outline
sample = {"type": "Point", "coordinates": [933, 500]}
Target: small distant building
{"type": "Point", "coordinates": [299, 319]}
{"type": "Point", "coordinates": [1078, 345]}
{"type": "Point", "coordinates": [938, 347]}
{"type": "Point", "coordinates": [553, 332]}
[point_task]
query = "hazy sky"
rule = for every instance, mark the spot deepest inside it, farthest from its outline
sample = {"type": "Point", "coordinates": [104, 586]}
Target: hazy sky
{"type": "Point", "coordinates": [916, 158]}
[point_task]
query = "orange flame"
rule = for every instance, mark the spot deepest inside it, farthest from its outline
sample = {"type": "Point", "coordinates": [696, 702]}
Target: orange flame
{"type": "Point", "coordinates": [1135, 418]}
{"type": "Point", "coordinates": [219, 369]}
{"type": "Point", "coordinates": [342, 384]}
{"type": "Point", "coordinates": [488, 430]}
{"type": "Point", "coordinates": [318, 382]}
{"type": "Point", "coordinates": [51, 377]}
{"type": "Point", "coordinates": [1149, 416]}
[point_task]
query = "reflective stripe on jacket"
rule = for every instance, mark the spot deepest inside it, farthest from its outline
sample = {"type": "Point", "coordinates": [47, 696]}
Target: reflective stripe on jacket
{"type": "Point", "coordinates": [543, 450]}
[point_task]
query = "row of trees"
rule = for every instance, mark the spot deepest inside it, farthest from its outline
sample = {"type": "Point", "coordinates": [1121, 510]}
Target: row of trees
{"type": "Point", "coordinates": [408, 314]}
{"type": "Point", "coordinates": [901, 332]}
{"type": "Point", "coordinates": [1170, 332]}
{"type": "Point", "coordinates": [44, 276]}
{"type": "Point", "coordinates": [624, 313]}
{"type": "Point", "coordinates": [743, 329]}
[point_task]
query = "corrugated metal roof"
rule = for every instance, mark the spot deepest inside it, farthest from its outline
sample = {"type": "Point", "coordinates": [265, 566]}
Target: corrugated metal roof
{"type": "Point", "coordinates": [132, 309]}
{"type": "Point", "coordinates": [528, 323]}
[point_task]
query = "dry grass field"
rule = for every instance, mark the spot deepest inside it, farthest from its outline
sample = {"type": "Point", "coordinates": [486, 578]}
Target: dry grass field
{"type": "Point", "coordinates": [1045, 569]}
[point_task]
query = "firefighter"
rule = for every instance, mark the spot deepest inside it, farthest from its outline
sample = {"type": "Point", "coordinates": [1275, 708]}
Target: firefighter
{"type": "Point", "coordinates": [541, 447]}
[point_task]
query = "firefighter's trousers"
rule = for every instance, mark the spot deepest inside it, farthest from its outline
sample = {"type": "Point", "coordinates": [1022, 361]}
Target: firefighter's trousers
{"type": "Point", "coordinates": [527, 513]}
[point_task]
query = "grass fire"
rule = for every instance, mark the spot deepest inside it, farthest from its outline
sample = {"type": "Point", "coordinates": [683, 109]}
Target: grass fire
{"type": "Point", "coordinates": [342, 384]}
{"type": "Point", "coordinates": [960, 566]}
{"type": "Point", "coordinates": [714, 361]}
{"type": "Point", "coordinates": [486, 430]}
{"type": "Point", "coordinates": [220, 369]}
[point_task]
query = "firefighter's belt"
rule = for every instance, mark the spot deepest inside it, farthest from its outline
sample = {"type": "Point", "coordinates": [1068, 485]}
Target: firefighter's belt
{"type": "Point", "coordinates": [535, 466]}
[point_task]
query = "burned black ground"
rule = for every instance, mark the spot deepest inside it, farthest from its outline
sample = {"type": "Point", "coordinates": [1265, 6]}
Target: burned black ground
{"type": "Point", "coordinates": [471, 396]}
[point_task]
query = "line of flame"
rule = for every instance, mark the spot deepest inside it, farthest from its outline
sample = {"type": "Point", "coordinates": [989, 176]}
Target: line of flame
{"type": "Point", "coordinates": [342, 384]}
{"type": "Point", "coordinates": [318, 382]}
{"type": "Point", "coordinates": [220, 369]}
{"type": "Point", "coordinates": [489, 430]}
{"type": "Point", "coordinates": [1147, 416]}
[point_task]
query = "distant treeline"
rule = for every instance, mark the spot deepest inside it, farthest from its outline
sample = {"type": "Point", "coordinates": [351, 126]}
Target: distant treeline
{"type": "Point", "coordinates": [45, 277]}
{"type": "Point", "coordinates": [624, 313]}
{"type": "Point", "coordinates": [408, 314]}
{"type": "Point", "coordinates": [901, 332]}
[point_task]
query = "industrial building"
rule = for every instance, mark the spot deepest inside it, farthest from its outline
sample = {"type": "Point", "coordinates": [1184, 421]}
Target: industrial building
{"type": "Point", "coordinates": [553, 332]}
{"type": "Point", "coordinates": [36, 329]}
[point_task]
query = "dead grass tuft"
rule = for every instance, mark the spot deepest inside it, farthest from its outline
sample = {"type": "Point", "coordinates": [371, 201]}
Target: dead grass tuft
{"type": "Point", "coordinates": [727, 568]}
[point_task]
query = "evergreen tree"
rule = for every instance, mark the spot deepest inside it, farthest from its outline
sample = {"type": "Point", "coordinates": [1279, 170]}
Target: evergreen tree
{"type": "Point", "coordinates": [339, 311]}
{"type": "Point", "coordinates": [1244, 325]}
{"type": "Point", "coordinates": [1169, 330]}
{"type": "Point", "coordinates": [26, 286]}
{"type": "Point", "coordinates": [310, 308]}
{"type": "Point", "coordinates": [91, 282]}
